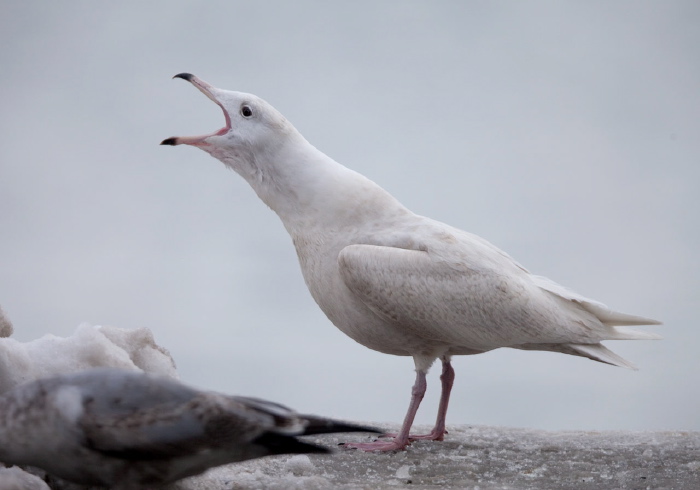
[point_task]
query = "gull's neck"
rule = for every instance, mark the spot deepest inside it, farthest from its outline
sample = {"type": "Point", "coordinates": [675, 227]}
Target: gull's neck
{"type": "Point", "coordinates": [309, 190]}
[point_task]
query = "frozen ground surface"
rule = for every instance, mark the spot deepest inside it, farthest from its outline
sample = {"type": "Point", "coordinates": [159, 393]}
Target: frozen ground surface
{"type": "Point", "coordinates": [482, 458]}
{"type": "Point", "coordinates": [471, 457]}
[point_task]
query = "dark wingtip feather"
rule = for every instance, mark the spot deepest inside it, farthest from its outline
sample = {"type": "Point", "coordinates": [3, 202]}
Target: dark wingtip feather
{"type": "Point", "coordinates": [282, 444]}
{"type": "Point", "coordinates": [320, 425]}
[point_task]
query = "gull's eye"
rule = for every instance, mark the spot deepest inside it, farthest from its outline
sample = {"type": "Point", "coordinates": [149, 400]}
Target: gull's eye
{"type": "Point", "coordinates": [246, 111]}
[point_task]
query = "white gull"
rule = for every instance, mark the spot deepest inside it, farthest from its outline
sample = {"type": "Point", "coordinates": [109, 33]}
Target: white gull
{"type": "Point", "coordinates": [126, 429]}
{"type": "Point", "coordinates": [394, 281]}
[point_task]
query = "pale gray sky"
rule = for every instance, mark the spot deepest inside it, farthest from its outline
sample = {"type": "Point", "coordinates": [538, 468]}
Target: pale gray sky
{"type": "Point", "coordinates": [566, 133]}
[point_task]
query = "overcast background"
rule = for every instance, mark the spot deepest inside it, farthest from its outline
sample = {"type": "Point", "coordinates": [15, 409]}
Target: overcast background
{"type": "Point", "coordinates": [566, 133]}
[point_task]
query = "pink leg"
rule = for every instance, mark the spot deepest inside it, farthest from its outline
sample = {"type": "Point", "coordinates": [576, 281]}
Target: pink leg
{"type": "Point", "coordinates": [438, 432]}
{"type": "Point", "coordinates": [447, 377]}
{"type": "Point", "coordinates": [401, 440]}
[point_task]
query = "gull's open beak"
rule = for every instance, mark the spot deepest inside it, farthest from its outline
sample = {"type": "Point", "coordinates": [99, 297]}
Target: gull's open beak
{"type": "Point", "coordinates": [210, 92]}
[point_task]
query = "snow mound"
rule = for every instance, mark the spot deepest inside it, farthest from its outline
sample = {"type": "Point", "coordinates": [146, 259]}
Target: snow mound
{"type": "Point", "coordinates": [88, 347]}
{"type": "Point", "coordinates": [17, 479]}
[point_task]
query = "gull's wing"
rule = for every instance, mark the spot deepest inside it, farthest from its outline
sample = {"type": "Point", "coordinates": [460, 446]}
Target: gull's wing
{"type": "Point", "coordinates": [454, 299]}
{"type": "Point", "coordinates": [135, 415]}
{"type": "Point", "coordinates": [237, 428]}
{"type": "Point", "coordinates": [279, 418]}
{"type": "Point", "coordinates": [471, 307]}
{"type": "Point", "coordinates": [167, 430]}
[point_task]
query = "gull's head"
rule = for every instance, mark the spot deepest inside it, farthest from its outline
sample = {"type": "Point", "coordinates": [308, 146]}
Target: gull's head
{"type": "Point", "coordinates": [252, 128]}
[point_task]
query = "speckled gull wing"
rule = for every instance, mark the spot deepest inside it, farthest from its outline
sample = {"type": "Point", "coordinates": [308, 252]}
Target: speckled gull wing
{"type": "Point", "coordinates": [475, 308]}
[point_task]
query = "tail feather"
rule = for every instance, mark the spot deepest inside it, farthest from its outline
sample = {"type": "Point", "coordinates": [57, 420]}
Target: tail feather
{"type": "Point", "coordinates": [613, 318]}
{"type": "Point", "coordinates": [596, 352]}
{"type": "Point", "coordinates": [622, 333]}
{"type": "Point", "coordinates": [600, 353]}
{"type": "Point", "coordinates": [602, 322]}
{"type": "Point", "coordinates": [606, 316]}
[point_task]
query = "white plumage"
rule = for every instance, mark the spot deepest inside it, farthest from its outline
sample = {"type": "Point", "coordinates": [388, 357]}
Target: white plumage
{"type": "Point", "coordinates": [394, 281]}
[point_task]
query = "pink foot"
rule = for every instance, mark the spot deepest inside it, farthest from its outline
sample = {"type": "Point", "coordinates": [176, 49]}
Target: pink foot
{"type": "Point", "coordinates": [392, 445]}
{"type": "Point", "coordinates": [432, 436]}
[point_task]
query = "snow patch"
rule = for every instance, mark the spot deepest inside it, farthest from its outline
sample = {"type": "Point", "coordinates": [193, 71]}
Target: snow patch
{"type": "Point", "coordinates": [15, 478]}
{"type": "Point", "coordinates": [300, 465]}
{"type": "Point", "coordinates": [404, 472]}
{"type": "Point", "coordinates": [88, 347]}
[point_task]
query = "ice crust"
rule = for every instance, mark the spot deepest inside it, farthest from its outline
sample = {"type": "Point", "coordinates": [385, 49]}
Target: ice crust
{"type": "Point", "coordinates": [478, 457]}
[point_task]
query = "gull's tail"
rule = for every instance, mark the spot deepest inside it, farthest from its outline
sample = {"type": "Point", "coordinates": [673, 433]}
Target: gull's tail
{"type": "Point", "coordinates": [607, 323]}
{"type": "Point", "coordinates": [600, 353]}
{"type": "Point", "coordinates": [595, 352]}
{"type": "Point", "coordinates": [609, 318]}
{"type": "Point", "coordinates": [605, 315]}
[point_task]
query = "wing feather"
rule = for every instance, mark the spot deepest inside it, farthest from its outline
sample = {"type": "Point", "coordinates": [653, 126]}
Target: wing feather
{"type": "Point", "coordinates": [476, 304]}
{"type": "Point", "coordinates": [165, 431]}
{"type": "Point", "coordinates": [458, 304]}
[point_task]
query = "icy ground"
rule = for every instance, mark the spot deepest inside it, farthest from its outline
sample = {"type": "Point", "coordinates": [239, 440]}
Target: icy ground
{"type": "Point", "coordinates": [474, 457]}
{"type": "Point", "coordinates": [471, 457]}
{"type": "Point", "coordinates": [485, 458]}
